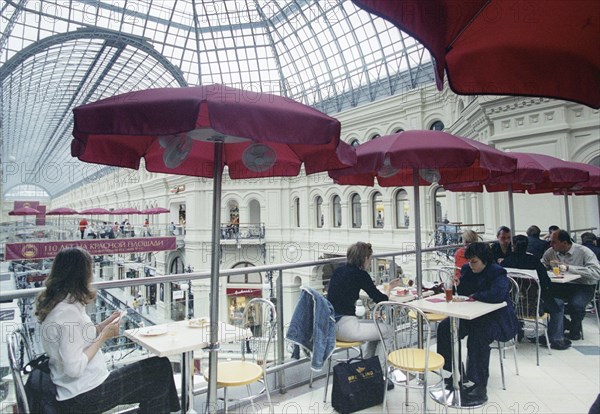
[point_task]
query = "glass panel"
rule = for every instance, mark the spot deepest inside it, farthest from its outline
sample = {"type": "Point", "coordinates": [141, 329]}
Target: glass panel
{"type": "Point", "coordinates": [356, 212]}
{"type": "Point", "coordinates": [402, 209]}
{"type": "Point", "coordinates": [378, 210]}
{"type": "Point", "coordinates": [337, 211]}
{"type": "Point", "coordinates": [319, 217]}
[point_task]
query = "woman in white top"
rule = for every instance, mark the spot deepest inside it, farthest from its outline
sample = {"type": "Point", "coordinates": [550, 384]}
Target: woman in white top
{"type": "Point", "coordinates": [73, 343]}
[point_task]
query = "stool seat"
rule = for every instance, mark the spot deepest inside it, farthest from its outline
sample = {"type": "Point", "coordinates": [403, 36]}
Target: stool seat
{"type": "Point", "coordinates": [236, 373]}
{"type": "Point", "coordinates": [342, 344]}
{"type": "Point", "coordinates": [413, 359]}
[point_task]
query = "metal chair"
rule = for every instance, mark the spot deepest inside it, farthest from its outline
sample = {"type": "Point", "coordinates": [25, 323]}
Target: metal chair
{"type": "Point", "coordinates": [13, 340]}
{"type": "Point", "coordinates": [529, 308]}
{"type": "Point", "coordinates": [260, 317]}
{"type": "Point", "coordinates": [405, 365]}
{"type": "Point", "coordinates": [502, 346]}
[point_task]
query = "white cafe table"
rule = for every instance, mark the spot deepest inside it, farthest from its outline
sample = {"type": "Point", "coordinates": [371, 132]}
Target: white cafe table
{"type": "Point", "coordinates": [182, 338]}
{"type": "Point", "coordinates": [455, 310]}
{"type": "Point", "coordinates": [562, 278]}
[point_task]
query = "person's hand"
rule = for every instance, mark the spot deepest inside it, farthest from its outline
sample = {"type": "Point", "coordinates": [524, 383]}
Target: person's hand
{"type": "Point", "coordinates": [394, 283]}
{"type": "Point", "coordinates": [111, 330]}
{"type": "Point", "coordinates": [110, 319]}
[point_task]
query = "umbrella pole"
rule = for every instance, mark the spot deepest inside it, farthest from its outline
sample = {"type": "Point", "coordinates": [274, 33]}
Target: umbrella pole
{"type": "Point", "coordinates": [213, 347]}
{"type": "Point", "coordinates": [418, 253]}
{"type": "Point", "coordinates": [568, 214]}
{"type": "Point", "coordinates": [511, 210]}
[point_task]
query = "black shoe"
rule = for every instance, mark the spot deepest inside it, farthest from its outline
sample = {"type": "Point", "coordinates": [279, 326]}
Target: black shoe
{"type": "Point", "coordinates": [560, 345]}
{"type": "Point", "coordinates": [542, 340]}
{"type": "Point", "coordinates": [390, 385]}
{"type": "Point", "coordinates": [474, 395]}
{"type": "Point", "coordinates": [574, 336]}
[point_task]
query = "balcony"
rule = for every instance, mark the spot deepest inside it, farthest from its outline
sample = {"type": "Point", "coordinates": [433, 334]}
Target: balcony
{"type": "Point", "coordinates": [244, 233]}
{"type": "Point", "coordinates": [544, 388]}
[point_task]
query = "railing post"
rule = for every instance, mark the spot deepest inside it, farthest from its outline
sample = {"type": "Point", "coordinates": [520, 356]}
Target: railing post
{"type": "Point", "coordinates": [280, 337]}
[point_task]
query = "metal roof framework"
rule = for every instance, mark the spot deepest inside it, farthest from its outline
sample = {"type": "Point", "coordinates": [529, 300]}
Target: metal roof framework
{"type": "Point", "coordinates": [58, 54]}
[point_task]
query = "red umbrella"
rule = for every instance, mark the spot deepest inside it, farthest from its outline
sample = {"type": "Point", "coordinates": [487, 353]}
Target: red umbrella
{"type": "Point", "coordinates": [156, 210]}
{"type": "Point", "coordinates": [197, 131]}
{"type": "Point", "coordinates": [125, 210]}
{"type": "Point", "coordinates": [420, 158]}
{"type": "Point", "coordinates": [62, 211]}
{"type": "Point", "coordinates": [535, 173]}
{"type": "Point", "coordinates": [95, 210]}
{"type": "Point", "coordinates": [24, 211]}
{"type": "Point", "coordinates": [534, 48]}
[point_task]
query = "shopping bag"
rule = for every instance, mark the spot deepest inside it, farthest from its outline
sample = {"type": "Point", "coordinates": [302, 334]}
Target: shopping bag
{"type": "Point", "coordinates": [357, 384]}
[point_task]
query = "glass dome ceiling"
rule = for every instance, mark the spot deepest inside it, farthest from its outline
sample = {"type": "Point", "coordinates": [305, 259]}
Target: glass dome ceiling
{"type": "Point", "coordinates": [58, 54]}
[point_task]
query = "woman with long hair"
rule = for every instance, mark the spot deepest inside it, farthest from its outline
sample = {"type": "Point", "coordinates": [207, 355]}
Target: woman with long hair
{"type": "Point", "coordinates": [73, 343]}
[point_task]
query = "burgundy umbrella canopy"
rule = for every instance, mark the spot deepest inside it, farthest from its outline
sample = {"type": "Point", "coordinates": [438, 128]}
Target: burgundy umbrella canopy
{"type": "Point", "coordinates": [535, 173]}
{"type": "Point", "coordinates": [533, 48]}
{"type": "Point", "coordinates": [198, 131]}
{"type": "Point", "coordinates": [62, 211]}
{"type": "Point", "coordinates": [95, 210]}
{"type": "Point", "coordinates": [420, 158]}
{"type": "Point", "coordinates": [24, 211]}
{"type": "Point", "coordinates": [125, 210]}
{"type": "Point", "coordinates": [156, 210]}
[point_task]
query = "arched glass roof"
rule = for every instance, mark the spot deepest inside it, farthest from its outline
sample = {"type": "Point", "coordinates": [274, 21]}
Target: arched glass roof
{"type": "Point", "coordinates": [58, 54]}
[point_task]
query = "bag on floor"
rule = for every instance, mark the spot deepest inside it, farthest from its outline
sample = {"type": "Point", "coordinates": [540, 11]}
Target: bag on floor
{"type": "Point", "coordinates": [357, 384]}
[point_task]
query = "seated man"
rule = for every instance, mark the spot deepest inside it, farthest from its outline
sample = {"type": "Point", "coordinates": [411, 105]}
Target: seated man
{"type": "Point", "coordinates": [536, 246]}
{"type": "Point", "coordinates": [589, 240]}
{"type": "Point", "coordinates": [501, 248]}
{"type": "Point", "coordinates": [485, 281]}
{"type": "Point", "coordinates": [520, 259]}
{"type": "Point", "coordinates": [578, 260]}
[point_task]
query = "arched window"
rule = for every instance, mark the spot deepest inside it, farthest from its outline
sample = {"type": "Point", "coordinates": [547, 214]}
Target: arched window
{"type": "Point", "coordinates": [337, 211]}
{"type": "Point", "coordinates": [402, 209]}
{"type": "Point", "coordinates": [297, 211]}
{"type": "Point", "coordinates": [355, 143]}
{"type": "Point", "coordinates": [398, 130]}
{"type": "Point", "coordinates": [437, 126]}
{"type": "Point", "coordinates": [356, 212]}
{"type": "Point", "coordinates": [250, 277]}
{"type": "Point", "coordinates": [254, 212]}
{"type": "Point", "coordinates": [177, 265]}
{"type": "Point", "coordinates": [441, 207]}
{"type": "Point", "coordinates": [378, 210]}
{"type": "Point", "coordinates": [319, 212]}
{"type": "Point", "coordinates": [375, 136]}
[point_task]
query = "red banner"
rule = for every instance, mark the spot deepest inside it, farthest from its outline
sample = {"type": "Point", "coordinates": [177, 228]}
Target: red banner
{"type": "Point", "coordinates": [39, 250]}
{"type": "Point", "coordinates": [248, 292]}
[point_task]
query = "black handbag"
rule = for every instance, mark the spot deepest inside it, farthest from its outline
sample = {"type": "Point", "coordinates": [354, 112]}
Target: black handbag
{"type": "Point", "coordinates": [39, 388]}
{"type": "Point", "coordinates": [357, 384]}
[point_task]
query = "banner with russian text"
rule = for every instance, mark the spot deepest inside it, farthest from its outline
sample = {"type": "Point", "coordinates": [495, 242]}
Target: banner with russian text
{"type": "Point", "coordinates": [40, 250]}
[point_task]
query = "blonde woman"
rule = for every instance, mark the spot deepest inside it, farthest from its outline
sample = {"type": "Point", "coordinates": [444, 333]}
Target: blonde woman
{"type": "Point", "coordinates": [468, 237]}
{"type": "Point", "coordinates": [73, 343]}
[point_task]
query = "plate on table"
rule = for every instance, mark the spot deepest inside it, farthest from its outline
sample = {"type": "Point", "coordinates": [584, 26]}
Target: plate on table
{"type": "Point", "coordinates": [460, 298]}
{"type": "Point", "coordinates": [401, 291]}
{"type": "Point", "coordinates": [198, 322]}
{"type": "Point", "coordinates": [153, 330]}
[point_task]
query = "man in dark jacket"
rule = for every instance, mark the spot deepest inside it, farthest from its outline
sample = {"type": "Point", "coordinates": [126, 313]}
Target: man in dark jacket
{"type": "Point", "coordinates": [501, 248]}
{"type": "Point", "coordinates": [536, 246]}
{"type": "Point", "coordinates": [485, 281]}
{"type": "Point", "coordinates": [520, 259]}
{"type": "Point", "coordinates": [589, 240]}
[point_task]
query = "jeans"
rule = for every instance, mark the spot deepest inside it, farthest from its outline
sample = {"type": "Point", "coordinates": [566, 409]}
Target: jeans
{"type": "Point", "coordinates": [577, 297]}
{"type": "Point", "coordinates": [556, 322]}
